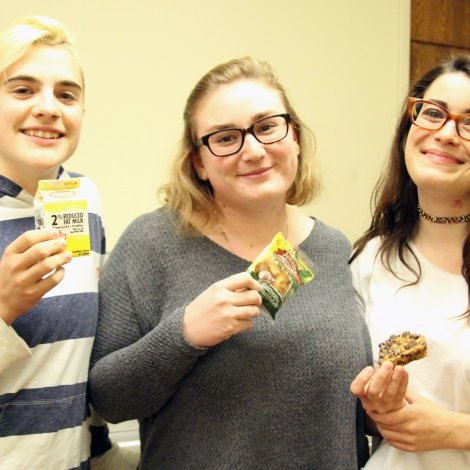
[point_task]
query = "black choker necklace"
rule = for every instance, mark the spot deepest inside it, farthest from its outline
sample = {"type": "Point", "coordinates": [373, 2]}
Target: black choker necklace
{"type": "Point", "coordinates": [443, 220]}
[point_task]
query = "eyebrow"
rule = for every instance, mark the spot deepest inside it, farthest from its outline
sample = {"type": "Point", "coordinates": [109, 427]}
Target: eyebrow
{"type": "Point", "coordinates": [255, 118]}
{"type": "Point", "coordinates": [444, 105]}
{"type": "Point", "coordinates": [30, 79]}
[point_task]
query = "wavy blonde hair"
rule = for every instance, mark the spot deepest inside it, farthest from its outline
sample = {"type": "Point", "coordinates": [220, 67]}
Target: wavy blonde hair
{"type": "Point", "coordinates": [24, 33]}
{"type": "Point", "coordinates": [187, 194]}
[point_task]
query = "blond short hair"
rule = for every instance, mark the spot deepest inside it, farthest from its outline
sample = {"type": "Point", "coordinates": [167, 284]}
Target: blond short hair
{"type": "Point", "coordinates": [24, 33]}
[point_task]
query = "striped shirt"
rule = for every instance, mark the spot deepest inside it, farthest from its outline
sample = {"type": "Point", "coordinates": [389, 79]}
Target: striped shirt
{"type": "Point", "coordinates": [44, 354]}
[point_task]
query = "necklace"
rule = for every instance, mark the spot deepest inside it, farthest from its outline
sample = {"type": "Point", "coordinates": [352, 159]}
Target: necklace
{"type": "Point", "coordinates": [226, 238]}
{"type": "Point", "coordinates": [443, 220]}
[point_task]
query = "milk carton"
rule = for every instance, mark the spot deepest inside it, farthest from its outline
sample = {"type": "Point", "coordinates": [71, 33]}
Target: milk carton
{"type": "Point", "coordinates": [59, 204]}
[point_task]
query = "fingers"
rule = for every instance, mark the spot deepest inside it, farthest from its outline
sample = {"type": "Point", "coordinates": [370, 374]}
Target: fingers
{"type": "Point", "coordinates": [381, 378]}
{"type": "Point", "coordinates": [49, 282]}
{"type": "Point", "coordinates": [242, 298]}
{"type": "Point", "coordinates": [240, 282]}
{"type": "Point", "coordinates": [246, 312]}
{"type": "Point", "coordinates": [239, 290]}
{"type": "Point", "coordinates": [389, 382]}
{"type": "Point", "coordinates": [240, 305]}
{"type": "Point", "coordinates": [382, 390]}
{"type": "Point", "coordinates": [396, 387]}
{"type": "Point", "coordinates": [31, 249]}
{"type": "Point", "coordinates": [360, 384]}
{"type": "Point", "coordinates": [392, 418]}
{"type": "Point", "coordinates": [51, 257]}
{"type": "Point", "coordinates": [395, 438]}
{"type": "Point", "coordinates": [225, 309]}
{"type": "Point", "coordinates": [30, 266]}
{"type": "Point", "coordinates": [31, 238]}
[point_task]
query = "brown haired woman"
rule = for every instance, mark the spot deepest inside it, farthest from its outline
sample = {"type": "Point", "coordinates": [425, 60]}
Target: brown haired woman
{"type": "Point", "coordinates": [412, 273]}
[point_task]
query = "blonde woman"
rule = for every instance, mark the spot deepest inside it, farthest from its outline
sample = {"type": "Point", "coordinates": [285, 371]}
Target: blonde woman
{"type": "Point", "coordinates": [181, 343]}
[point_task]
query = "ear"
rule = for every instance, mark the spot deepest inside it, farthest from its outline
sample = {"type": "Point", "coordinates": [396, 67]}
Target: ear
{"type": "Point", "coordinates": [199, 166]}
{"type": "Point", "coordinates": [296, 140]}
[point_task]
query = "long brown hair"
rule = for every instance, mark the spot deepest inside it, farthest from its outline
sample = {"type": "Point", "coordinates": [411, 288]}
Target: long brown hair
{"type": "Point", "coordinates": [395, 198]}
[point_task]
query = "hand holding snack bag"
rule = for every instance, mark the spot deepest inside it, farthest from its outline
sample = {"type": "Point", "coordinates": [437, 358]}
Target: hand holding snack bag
{"type": "Point", "coordinates": [281, 271]}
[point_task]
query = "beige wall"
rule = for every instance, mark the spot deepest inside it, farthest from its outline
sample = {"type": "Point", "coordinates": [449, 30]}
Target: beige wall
{"type": "Point", "coordinates": [344, 64]}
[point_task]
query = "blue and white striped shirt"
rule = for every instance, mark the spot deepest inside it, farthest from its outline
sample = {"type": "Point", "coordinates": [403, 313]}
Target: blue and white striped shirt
{"type": "Point", "coordinates": [44, 354]}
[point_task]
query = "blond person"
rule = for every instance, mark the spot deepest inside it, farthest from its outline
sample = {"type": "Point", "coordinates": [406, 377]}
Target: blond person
{"type": "Point", "coordinates": [181, 344]}
{"type": "Point", "coordinates": [47, 323]}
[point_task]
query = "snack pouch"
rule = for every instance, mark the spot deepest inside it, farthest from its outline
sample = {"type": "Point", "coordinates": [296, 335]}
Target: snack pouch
{"type": "Point", "coordinates": [281, 271]}
{"type": "Point", "coordinates": [59, 204]}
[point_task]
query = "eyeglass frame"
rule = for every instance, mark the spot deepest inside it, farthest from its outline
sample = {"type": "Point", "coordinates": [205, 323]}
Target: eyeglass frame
{"type": "Point", "coordinates": [450, 116]}
{"type": "Point", "coordinates": [204, 140]}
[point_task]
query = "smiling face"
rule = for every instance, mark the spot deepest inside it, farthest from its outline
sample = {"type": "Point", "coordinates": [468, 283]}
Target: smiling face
{"type": "Point", "coordinates": [41, 111]}
{"type": "Point", "coordinates": [438, 161]}
{"type": "Point", "coordinates": [258, 173]}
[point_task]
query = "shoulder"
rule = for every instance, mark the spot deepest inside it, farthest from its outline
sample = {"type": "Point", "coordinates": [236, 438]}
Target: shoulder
{"type": "Point", "coordinates": [328, 246]}
{"type": "Point", "coordinates": [158, 221]}
{"type": "Point", "coordinates": [154, 231]}
{"type": "Point", "coordinates": [364, 265]}
{"type": "Point", "coordinates": [369, 254]}
{"type": "Point", "coordinates": [140, 246]}
{"type": "Point", "coordinates": [329, 231]}
{"type": "Point", "coordinates": [330, 237]}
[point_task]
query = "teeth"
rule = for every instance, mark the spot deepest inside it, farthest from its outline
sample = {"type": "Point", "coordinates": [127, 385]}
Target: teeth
{"type": "Point", "coordinates": [42, 134]}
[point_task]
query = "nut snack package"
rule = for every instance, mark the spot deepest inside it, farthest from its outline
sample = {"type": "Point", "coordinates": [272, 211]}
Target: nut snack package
{"type": "Point", "coordinates": [280, 270]}
{"type": "Point", "coordinates": [59, 204]}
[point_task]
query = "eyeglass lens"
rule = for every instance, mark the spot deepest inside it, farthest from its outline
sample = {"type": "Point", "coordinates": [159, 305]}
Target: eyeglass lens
{"type": "Point", "coordinates": [431, 116]}
{"type": "Point", "coordinates": [266, 131]}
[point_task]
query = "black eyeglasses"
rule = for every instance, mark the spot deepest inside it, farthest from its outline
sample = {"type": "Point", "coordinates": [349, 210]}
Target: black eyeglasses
{"type": "Point", "coordinates": [432, 116]}
{"type": "Point", "coordinates": [229, 141]}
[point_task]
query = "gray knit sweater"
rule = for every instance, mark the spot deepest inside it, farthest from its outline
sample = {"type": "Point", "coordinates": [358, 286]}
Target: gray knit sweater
{"type": "Point", "coordinates": [276, 397]}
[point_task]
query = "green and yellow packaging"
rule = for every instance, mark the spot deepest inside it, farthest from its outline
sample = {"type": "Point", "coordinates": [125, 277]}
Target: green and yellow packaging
{"type": "Point", "coordinates": [59, 204]}
{"type": "Point", "coordinates": [280, 270]}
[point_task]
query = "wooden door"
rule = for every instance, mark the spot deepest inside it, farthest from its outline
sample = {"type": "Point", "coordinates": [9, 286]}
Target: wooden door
{"type": "Point", "coordinates": [439, 29]}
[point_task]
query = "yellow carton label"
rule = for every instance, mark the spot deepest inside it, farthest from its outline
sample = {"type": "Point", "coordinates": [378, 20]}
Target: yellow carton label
{"type": "Point", "coordinates": [60, 205]}
{"type": "Point", "coordinates": [49, 185]}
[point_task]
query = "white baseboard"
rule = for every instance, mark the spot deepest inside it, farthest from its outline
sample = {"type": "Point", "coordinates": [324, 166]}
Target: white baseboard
{"type": "Point", "coordinates": [125, 434]}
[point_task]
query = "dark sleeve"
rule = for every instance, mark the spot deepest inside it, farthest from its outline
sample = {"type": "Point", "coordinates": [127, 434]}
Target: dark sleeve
{"type": "Point", "coordinates": [140, 354]}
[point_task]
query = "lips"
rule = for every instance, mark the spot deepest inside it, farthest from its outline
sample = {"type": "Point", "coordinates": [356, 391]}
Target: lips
{"type": "Point", "coordinates": [257, 172]}
{"type": "Point", "coordinates": [43, 134]}
{"type": "Point", "coordinates": [443, 156]}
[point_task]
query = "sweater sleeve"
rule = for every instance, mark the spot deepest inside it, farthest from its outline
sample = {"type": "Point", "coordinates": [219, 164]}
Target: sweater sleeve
{"type": "Point", "coordinates": [140, 354]}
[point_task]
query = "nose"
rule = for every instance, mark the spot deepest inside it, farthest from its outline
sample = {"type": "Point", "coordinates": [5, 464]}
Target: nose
{"type": "Point", "coordinates": [448, 132]}
{"type": "Point", "coordinates": [46, 105]}
{"type": "Point", "coordinates": [252, 148]}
